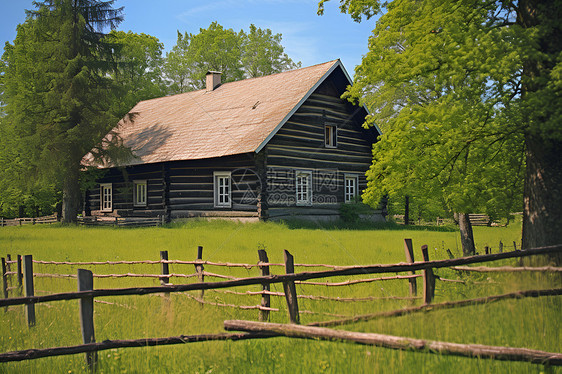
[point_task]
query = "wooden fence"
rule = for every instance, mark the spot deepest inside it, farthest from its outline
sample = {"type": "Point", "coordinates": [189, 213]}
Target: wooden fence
{"type": "Point", "coordinates": [87, 295]}
{"type": "Point", "coordinates": [88, 221]}
{"type": "Point", "coordinates": [29, 221]}
{"type": "Point", "coordinates": [121, 221]}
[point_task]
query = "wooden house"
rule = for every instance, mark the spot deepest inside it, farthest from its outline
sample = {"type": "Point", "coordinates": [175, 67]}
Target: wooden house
{"type": "Point", "coordinates": [275, 147]}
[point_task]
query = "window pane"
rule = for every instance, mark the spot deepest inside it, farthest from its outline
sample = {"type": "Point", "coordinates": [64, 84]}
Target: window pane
{"type": "Point", "coordinates": [106, 198]}
{"type": "Point", "coordinates": [303, 188]}
{"type": "Point", "coordinates": [330, 136]}
{"type": "Point", "coordinates": [350, 188]}
{"type": "Point", "coordinates": [222, 190]}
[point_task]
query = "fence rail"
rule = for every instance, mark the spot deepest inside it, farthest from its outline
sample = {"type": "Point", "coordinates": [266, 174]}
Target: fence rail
{"type": "Point", "coordinates": [398, 342]}
{"type": "Point", "coordinates": [54, 218]}
{"type": "Point", "coordinates": [121, 221]}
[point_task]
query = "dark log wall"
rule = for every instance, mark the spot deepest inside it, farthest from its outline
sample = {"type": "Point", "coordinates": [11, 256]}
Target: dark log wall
{"type": "Point", "coordinates": [191, 186]}
{"type": "Point", "coordinates": [122, 185]}
{"type": "Point", "coordinates": [182, 188]}
{"type": "Point", "coordinates": [300, 145]}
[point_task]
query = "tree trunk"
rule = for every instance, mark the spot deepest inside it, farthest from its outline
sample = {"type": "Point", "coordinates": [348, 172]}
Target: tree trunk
{"type": "Point", "coordinates": [467, 238]}
{"type": "Point", "coordinates": [542, 213]}
{"type": "Point", "coordinates": [71, 196]}
{"type": "Point", "coordinates": [407, 210]}
{"type": "Point", "coordinates": [542, 210]}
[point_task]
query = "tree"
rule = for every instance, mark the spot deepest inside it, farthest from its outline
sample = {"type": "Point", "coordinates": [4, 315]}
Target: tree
{"type": "Point", "coordinates": [472, 90]}
{"type": "Point", "coordinates": [236, 55]}
{"type": "Point", "coordinates": [263, 54]}
{"type": "Point", "coordinates": [138, 70]}
{"type": "Point", "coordinates": [177, 65]}
{"type": "Point", "coordinates": [57, 91]}
{"type": "Point", "coordinates": [214, 48]}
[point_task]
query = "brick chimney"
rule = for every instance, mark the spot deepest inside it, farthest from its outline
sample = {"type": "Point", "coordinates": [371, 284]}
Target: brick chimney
{"type": "Point", "coordinates": [213, 80]}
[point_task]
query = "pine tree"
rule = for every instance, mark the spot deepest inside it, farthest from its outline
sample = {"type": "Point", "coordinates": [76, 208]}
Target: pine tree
{"type": "Point", "coordinates": [57, 91]}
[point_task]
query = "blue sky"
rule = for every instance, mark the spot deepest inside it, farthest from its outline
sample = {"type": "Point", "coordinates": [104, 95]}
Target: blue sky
{"type": "Point", "coordinates": [307, 37]}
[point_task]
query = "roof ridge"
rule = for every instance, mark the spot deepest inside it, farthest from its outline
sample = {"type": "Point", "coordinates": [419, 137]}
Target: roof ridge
{"type": "Point", "coordinates": [283, 72]}
{"type": "Point", "coordinates": [242, 80]}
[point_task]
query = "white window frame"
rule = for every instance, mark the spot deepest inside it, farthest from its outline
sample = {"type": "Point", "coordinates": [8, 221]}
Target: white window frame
{"type": "Point", "coordinates": [330, 135]}
{"type": "Point", "coordinates": [349, 196]}
{"type": "Point", "coordinates": [303, 196]}
{"type": "Point", "coordinates": [106, 205]}
{"type": "Point", "coordinates": [222, 199]}
{"type": "Point", "coordinates": [140, 193]}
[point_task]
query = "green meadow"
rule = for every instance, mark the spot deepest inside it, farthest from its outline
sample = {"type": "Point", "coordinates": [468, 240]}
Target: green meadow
{"type": "Point", "coordinates": [532, 323]}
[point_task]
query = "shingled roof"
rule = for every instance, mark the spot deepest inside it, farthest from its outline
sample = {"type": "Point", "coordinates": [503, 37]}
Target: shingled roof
{"type": "Point", "coordinates": [237, 117]}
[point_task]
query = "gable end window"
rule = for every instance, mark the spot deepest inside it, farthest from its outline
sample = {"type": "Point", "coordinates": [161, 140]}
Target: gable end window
{"type": "Point", "coordinates": [330, 136]}
{"type": "Point", "coordinates": [106, 197]}
{"type": "Point", "coordinates": [222, 188]}
{"type": "Point", "coordinates": [304, 187]}
{"type": "Point", "coordinates": [139, 193]}
{"type": "Point", "coordinates": [350, 188]}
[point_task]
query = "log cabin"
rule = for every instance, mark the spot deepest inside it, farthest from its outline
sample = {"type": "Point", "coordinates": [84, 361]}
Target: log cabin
{"type": "Point", "coordinates": [275, 147]}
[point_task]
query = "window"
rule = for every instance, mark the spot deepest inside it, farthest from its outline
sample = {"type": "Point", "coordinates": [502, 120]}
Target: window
{"type": "Point", "coordinates": [350, 188]}
{"type": "Point", "coordinates": [139, 193]}
{"type": "Point", "coordinates": [106, 200]}
{"type": "Point", "coordinates": [222, 189]}
{"type": "Point", "coordinates": [331, 136]}
{"type": "Point", "coordinates": [304, 187]}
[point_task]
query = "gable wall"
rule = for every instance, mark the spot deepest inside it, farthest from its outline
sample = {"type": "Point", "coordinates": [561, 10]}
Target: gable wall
{"type": "Point", "coordinates": [300, 145]}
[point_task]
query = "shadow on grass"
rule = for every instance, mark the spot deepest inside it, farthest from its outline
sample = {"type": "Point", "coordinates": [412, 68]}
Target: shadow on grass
{"type": "Point", "coordinates": [362, 225]}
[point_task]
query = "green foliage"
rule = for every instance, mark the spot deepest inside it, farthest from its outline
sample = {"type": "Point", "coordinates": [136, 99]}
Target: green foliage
{"type": "Point", "coordinates": [214, 48]}
{"type": "Point", "coordinates": [468, 94]}
{"type": "Point", "coordinates": [351, 212]}
{"type": "Point", "coordinates": [235, 55]}
{"type": "Point", "coordinates": [356, 8]}
{"type": "Point", "coordinates": [263, 54]}
{"type": "Point", "coordinates": [441, 79]}
{"type": "Point", "coordinates": [138, 72]}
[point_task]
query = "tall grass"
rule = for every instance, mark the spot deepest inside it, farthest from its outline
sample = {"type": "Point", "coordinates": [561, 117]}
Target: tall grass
{"type": "Point", "coordinates": [533, 323]}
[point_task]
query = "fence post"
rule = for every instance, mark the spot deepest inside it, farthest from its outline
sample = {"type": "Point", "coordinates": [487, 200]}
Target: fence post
{"type": "Point", "coordinates": [501, 247]}
{"type": "Point", "coordinates": [487, 250]}
{"type": "Point", "coordinates": [265, 298]}
{"type": "Point", "coordinates": [9, 280]}
{"type": "Point", "coordinates": [428, 278]}
{"type": "Point", "coordinates": [28, 276]}
{"type": "Point", "coordinates": [199, 268]}
{"type": "Point", "coordinates": [165, 267]}
{"type": "Point", "coordinates": [451, 256]}
{"type": "Point", "coordinates": [86, 283]}
{"type": "Point", "coordinates": [409, 251]}
{"type": "Point", "coordinates": [290, 290]}
{"type": "Point", "coordinates": [4, 281]}
{"type": "Point", "coordinates": [19, 274]}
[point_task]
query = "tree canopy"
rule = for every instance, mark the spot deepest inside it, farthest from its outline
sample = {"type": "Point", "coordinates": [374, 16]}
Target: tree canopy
{"type": "Point", "coordinates": [468, 95]}
{"type": "Point", "coordinates": [263, 54]}
{"type": "Point", "coordinates": [138, 67]}
{"type": "Point", "coordinates": [236, 55]}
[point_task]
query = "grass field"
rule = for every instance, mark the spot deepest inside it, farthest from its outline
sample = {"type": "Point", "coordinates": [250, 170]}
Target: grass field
{"type": "Point", "coordinates": [531, 323]}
